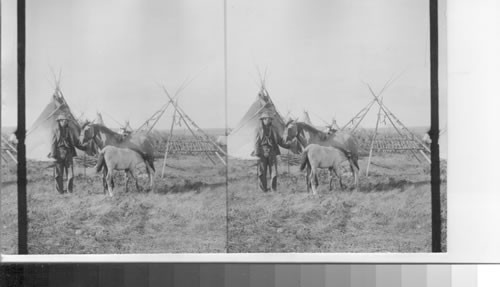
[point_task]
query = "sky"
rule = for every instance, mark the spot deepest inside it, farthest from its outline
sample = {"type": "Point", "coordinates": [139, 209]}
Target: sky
{"type": "Point", "coordinates": [114, 54]}
{"type": "Point", "coordinates": [318, 54]}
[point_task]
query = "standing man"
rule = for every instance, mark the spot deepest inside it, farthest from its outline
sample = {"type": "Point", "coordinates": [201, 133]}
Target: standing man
{"type": "Point", "coordinates": [266, 149]}
{"type": "Point", "coordinates": [63, 151]}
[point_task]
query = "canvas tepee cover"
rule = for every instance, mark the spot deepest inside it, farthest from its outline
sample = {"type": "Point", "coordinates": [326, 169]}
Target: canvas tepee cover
{"type": "Point", "coordinates": [39, 136]}
{"type": "Point", "coordinates": [241, 140]}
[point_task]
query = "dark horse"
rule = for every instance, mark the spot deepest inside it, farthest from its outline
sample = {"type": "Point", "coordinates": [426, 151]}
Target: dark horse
{"type": "Point", "coordinates": [307, 134]}
{"type": "Point", "coordinates": [101, 136]}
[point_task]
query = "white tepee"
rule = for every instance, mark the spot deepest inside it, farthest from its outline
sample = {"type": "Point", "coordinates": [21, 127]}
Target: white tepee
{"type": "Point", "coordinates": [241, 140]}
{"type": "Point", "coordinates": [39, 136]}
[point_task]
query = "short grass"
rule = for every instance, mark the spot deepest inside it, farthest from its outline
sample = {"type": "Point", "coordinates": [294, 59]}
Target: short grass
{"type": "Point", "coordinates": [187, 213]}
{"type": "Point", "coordinates": [390, 213]}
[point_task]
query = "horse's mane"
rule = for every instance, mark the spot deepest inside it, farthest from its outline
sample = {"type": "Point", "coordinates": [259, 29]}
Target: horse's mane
{"type": "Point", "coordinates": [289, 122]}
{"type": "Point", "coordinates": [85, 124]}
{"type": "Point", "coordinates": [106, 129]}
{"type": "Point", "coordinates": [309, 128]}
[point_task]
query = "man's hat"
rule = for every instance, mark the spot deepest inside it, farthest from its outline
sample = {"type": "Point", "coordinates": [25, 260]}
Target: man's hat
{"type": "Point", "coordinates": [266, 114]}
{"type": "Point", "coordinates": [62, 117]}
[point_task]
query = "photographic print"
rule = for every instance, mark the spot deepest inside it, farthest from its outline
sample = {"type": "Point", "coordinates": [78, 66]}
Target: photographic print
{"type": "Point", "coordinates": [224, 127]}
{"type": "Point", "coordinates": [329, 113]}
{"type": "Point", "coordinates": [124, 104]}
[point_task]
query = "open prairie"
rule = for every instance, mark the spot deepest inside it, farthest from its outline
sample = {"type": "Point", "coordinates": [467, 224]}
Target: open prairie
{"type": "Point", "coordinates": [186, 213]}
{"type": "Point", "coordinates": [390, 213]}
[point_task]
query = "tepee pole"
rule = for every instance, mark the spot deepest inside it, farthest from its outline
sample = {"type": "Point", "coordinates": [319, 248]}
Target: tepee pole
{"type": "Point", "coordinates": [365, 110]}
{"type": "Point", "coordinates": [220, 157]}
{"type": "Point", "coordinates": [12, 156]}
{"type": "Point", "coordinates": [367, 107]}
{"type": "Point", "coordinates": [391, 116]}
{"type": "Point", "coordinates": [168, 144]}
{"type": "Point", "coordinates": [399, 132]}
{"type": "Point", "coordinates": [373, 141]}
{"type": "Point", "coordinates": [196, 136]}
{"type": "Point", "coordinates": [6, 142]}
{"type": "Point", "coordinates": [184, 116]}
{"type": "Point", "coordinates": [158, 116]}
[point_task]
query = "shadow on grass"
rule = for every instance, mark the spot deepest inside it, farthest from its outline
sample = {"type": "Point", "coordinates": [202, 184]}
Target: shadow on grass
{"type": "Point", "coordinates": [187, 186]}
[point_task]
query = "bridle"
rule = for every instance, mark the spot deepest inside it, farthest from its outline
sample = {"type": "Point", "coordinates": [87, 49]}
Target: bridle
{"type": "Point", "coordinates": [94, 138]}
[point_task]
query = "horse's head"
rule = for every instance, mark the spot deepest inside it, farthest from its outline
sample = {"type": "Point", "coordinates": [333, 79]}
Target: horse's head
{"type": "Point", "coordinates": [291, 130]}
{"type": "Point", "coordinates": [90, 138]}
{"type": "Point", "coordinates": [87, 133]}
{"type": "Point", "coordinates": [330, 130]}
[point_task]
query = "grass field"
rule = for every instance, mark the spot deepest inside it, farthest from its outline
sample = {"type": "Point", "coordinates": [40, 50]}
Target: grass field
{"type": "Point", "coordinates": [187, 213]}
{"type": "Point", "coordinates": [390, 213]}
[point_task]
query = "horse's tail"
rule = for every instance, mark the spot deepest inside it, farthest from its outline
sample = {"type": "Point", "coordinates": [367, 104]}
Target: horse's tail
{"type": "Point", "coordinates": [151, 160]}
{"type": "Point", "coordinates": [100, 162]}
{"type": "Point", "coordinates": [305, 160]}
{"type": "Point", "coordinates": [352, 155]}
{"type": "Point", "coordinates": [354, 159]}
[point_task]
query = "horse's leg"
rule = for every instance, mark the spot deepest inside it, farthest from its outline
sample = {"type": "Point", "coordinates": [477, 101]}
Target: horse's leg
{"type": "Point", "coordinates": [127, 179]}
{"type": "Point", "coordinates": [104, 183]}
{"type": "Point", "coordinates": [330, 169]}
{"type": "Point", "coordinates": [307, 179]}
{"type": "Point", "coordinates": [274, 174]}
{"type": "Point", "coordinates": [109, 178]}
{"type": "Point", "coordinates": [136, 182]}
{"type": "Point", "coordinates": [151, 176]}
{"type": "Point", "coordinates": [314, 180]}
{"type": "Point", "coordinates": [337, 173]}
{"type": "Point", "coordinates": [311, 179]}
{"type": "Point", "coordinates": [131, 172]}
{"type": "Point", "coordinates": [355, 174]}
